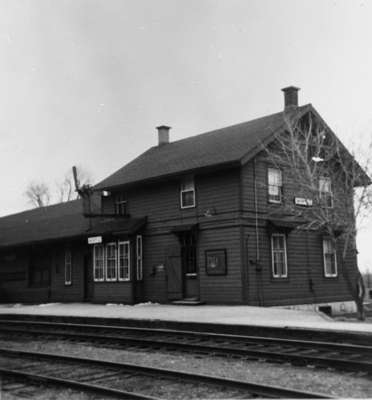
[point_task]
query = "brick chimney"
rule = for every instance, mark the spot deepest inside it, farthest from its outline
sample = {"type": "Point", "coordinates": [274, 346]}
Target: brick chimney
{"type": "Point", "coordinates": [290, 97]}
{"type": "Point", "coordinates": [163, 134]}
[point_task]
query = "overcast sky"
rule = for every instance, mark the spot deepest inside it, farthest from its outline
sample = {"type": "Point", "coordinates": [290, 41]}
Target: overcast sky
{"type": "Point", "coordinates": [86, 81]}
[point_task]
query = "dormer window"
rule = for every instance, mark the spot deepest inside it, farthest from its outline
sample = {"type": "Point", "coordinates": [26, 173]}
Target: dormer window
{"type": "Point", "coordinates": [275, 185]}
{"type": "Point", "coordinates": [325, 192]}
{"type": "Point", "coordinates": [120, 204]}
{"type": "Point", "coordinates": [187, 193]}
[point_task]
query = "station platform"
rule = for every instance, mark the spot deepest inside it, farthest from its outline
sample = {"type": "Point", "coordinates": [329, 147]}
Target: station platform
{"type": "Point", "coordinates": [203, 314]}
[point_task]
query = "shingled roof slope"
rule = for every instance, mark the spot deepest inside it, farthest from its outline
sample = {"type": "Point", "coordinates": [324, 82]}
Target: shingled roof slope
{"type": "Point", "coordinates": [44, 223]}
{"type": "Point", "coordinates": [221, 146]}
{"type": "Point", "coordinates": [59, 221]}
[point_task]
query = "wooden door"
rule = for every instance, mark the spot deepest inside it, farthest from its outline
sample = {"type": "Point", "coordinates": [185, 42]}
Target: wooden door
{"type": "Point", "coordinates": [174, 274]}
{"type": "Point", "coordinates": [189, 265]}
{"type": "Point", "coordinates": [88, 277]}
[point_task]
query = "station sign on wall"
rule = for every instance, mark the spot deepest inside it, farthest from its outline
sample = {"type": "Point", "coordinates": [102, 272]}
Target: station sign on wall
{"type": "Point", "coordinates": [95, 240]}
{"type": "Point", "coordinates": [301, 201]}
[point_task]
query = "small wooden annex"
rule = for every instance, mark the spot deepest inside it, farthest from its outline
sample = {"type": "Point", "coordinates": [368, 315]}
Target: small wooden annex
{"type": "Point", "coordinates": [185, 220]}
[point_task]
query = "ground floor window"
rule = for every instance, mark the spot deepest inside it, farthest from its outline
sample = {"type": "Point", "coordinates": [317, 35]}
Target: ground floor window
{"type": "Point", "coordinates": [98, 262]}
{"type": "Point", "coordinates": [68, 267]}
{"type": "Point", "coordinates": [329, 258]}
{"type": "Point", "coordinates": [124, 261]}
{"type": "Point", "coordinates": [111, 262]}
{"type": "Point", "coordinates": [139, 257]}
{"type": "Point", "coordinates": [279, 255]}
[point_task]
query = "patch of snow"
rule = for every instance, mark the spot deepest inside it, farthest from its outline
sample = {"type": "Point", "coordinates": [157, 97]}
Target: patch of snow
{"type": "Point", "coordinates": [48, 304]}
{"type": "Point", "coordinates": [147, 303]}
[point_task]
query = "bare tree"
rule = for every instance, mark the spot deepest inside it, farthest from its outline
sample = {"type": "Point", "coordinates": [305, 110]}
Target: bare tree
{"type": "Point", "coordinates": [38, 194]}
{"type": "Point", "coordinates": [333, 188]}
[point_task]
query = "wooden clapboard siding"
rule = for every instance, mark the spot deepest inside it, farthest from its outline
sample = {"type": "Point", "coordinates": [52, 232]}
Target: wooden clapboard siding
{"type": "Point", "coordinates": [158, 250]}
{"type": "Point", "coordinates": [305, 263]}
{"type": "Point", "coordinates": [116, 292]}
{"type": "Point", "coordinates": [17, 289]}
{"type": "Point", "coordinates": [223, 288]}
{"type": "Point", "coordinates": [161, 201]}
{"type": "Point", "coordinates": [306, 282]}
{"type": "Point", "coordinates": [75, 291]}
{"type": "Point", "coordinates": [218, 193]}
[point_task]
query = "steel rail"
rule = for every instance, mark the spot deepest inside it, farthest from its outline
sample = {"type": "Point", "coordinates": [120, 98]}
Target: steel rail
{"type": "Point", "coordinates": [259, 339]}
{"type": "Point", "coordinates": [331, 358]}
{"type": "Point", "coordinates": [122, 394]}
{"type": "Point", "coordinates": [286, 332]}
{"type": "Point", "coordinates": [249, 387]}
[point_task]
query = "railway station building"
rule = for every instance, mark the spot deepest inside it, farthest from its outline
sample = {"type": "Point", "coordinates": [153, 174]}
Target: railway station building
{"type": "Point", "coordinates": [198, 220]}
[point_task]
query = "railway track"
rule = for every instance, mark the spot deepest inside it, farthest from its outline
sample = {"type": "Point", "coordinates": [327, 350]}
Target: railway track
{"type": "Point", "coordinates": [123, 380]}
{"type": "Point", "coordinates": [349, 357]}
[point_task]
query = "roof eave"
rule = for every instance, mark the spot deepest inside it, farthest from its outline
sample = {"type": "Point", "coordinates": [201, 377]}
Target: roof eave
{"type": "Point", "coordinates": [204, 169]}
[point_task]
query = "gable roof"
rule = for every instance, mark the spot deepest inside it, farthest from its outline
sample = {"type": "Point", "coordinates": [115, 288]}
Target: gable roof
{"type": "Point", "coordinates": [59, 221]}
{"type": "Point", "coordinates": [219, 147]}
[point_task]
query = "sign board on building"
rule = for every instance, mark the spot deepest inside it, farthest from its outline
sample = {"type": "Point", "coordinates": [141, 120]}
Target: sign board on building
{"type": "Point", "coordinates": [95, 240]}
{"type": "Point", "coordinates": [301, 201]}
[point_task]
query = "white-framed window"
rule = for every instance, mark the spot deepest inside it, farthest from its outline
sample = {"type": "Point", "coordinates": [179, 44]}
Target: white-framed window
{"type": "Point", "coordinates": [325, 192]}
{"type": "Point", "coordinates": [279, 255]}
{"type": "Point", "coordinates": [329, 258]}
{"type": "Point", "coordinates": [120, 204]}
{"type": "Point", "coordinates": [68, 267]}
{"type": "Point", "coordinates": [98, 263]}
{"type": "Point", "coordinates": [275, 185]}
{"type": "Point", "coordinates": [139, 258]}
{"type": "Point", "coordinates": [124, 261]}
{"type": "Point", "coordinates": [187, 193]}
{"type": "Point", "coordinates": [111, 262]}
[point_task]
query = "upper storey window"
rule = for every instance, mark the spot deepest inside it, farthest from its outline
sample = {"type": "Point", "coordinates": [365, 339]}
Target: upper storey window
{"type": "Point", "coordinates": [187, 193]}
{"type": "Point", "coordinates": [120, 204]}
{"type": "Point", "coordinates": [275, 185]}
{"type": "Point", "coordinates": [325, 192]}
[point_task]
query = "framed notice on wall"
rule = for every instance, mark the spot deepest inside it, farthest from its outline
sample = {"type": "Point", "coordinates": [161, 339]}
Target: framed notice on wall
{"type": "Point", "coordinates": [216, 263]}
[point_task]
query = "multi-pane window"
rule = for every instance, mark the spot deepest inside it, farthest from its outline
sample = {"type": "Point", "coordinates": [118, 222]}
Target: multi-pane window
{"type": "Point", "coordinates": [124, 261]}
{"type": "Point", "coordinates": [98, 262]}
{"type": "Point", "coordinates": [325, 192]}
{"type": "Point", "coordinates": [120, 204]}
{"type": "Point", "coordinates": [187, 193]}
{"type": "Point", "coordinates": [111, 262]}
{"type": "Point", "coordinates": [275, 185]}
{"type": "Point", "coordinates": [139, 257]}
{"type": "Point", "coordinates": [279, 255]}
{"type": "Point", "coordinates": [329, 257]}
{"type": "Point", "coordinates": [68, 267]}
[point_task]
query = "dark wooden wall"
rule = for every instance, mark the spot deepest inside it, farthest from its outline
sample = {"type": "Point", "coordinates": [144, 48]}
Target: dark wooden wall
{"type": "Point", "coordinates": [226, 218]}
{"type": "Point", "coordinates": [217, 193]}
{"type": "Point", "coordinates": [306, 282]}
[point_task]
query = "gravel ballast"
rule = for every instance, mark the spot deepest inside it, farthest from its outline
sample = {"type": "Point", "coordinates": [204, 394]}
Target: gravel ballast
{"type": "Point", "coordinates": [332, 383]}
